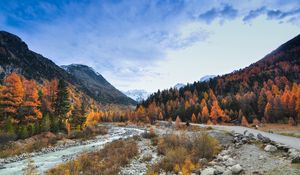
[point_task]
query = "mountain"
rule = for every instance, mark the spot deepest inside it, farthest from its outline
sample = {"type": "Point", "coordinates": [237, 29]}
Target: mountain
{"type": "Point", "coordinates": [137, 94]}
{"type": "Point", "coordinates": [99, 87]}
{"type": "Point", "coordinates": [16, 56]}
{"type": "Point", "coordinates": [268, 90]}
{"type": "Point", "coordinates": [207, 78]}
{"type": "Point", "coordinates": [179, 85]}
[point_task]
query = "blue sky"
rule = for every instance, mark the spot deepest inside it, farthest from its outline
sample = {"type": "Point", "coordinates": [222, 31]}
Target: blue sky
{"type": "Point", "coordinates": [153, 44]}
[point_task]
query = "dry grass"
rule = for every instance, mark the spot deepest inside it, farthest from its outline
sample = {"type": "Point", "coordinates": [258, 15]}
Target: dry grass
{"type": "Point", "coordinates": [88, 132]}
{"type": "Point", "coordinates": [106, 161]}
{"type": "Point", "coordinates": [13, 149]}
{"type": "Point", "coordinates": [182, 152]}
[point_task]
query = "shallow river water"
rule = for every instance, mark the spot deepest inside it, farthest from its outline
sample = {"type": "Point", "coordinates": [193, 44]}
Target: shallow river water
{"type": "Point", "coordinates": [49, 160]}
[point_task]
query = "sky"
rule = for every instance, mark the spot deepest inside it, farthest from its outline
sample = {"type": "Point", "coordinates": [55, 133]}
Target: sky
{"type": "Point", "coordinates": [153, 44]}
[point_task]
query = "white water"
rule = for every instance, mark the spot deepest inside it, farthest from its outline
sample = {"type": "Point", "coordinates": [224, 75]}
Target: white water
{"type": "Point", "coordinates": [49, 160]}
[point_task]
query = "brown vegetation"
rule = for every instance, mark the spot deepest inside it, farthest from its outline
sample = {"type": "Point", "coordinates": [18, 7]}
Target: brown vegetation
{"type": "Point", "coordinates": [106, 161]}
{"type": "Point", "coordinates": [182, 152]}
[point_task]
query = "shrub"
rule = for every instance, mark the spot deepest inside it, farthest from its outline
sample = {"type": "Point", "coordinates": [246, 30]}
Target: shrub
{"type": "Point", "coordinates": [106, 161]}
{"type": "Point", "coordinates": [149, 135]}
{"type": "Point", "coordinates": [23, 133]}
{"type": "Point", "coordinates": [182, 152]}
{"type": "Point", "coordinates": [147, 158]}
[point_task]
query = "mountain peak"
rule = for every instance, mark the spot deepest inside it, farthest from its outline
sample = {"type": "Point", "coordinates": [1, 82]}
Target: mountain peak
{"type": "Point", "coordinates": [12, 41]}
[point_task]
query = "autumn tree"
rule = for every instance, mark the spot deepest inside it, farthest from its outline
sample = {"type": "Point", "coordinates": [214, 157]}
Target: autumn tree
{"type": "Point", "coordinates": [11, 96]}
{"type": "Point", "coordinates": [244, 121]}
{"type": "Point", "coordinates": [194, 119]}
{"type": "Point", "coordinates": [29, 111]}
{"type": "Point", "coordinates": [49, 94]}
{"type": "Point", "coordinates": [217, 113]}
{"type": "Point", "coordinates": [178, 122]}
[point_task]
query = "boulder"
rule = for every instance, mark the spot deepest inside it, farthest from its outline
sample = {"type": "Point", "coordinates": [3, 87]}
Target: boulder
{"type": "Point", "coordinates": [208, 171]}
{"type": "Point", "coordinates": [230, 162]}
{"type": "Point", "coordinates": [236, 169]}
{"type": "Point", "coordinates": [263, 139]}
{"type": "Point", "coordinates": [270, 148]}
{"type": "Point", "coordinates": [219, 169]}
{"type": "Point", "coordinates": [227, 172]}
{"type": "Point", "coordinates": [296, 159]}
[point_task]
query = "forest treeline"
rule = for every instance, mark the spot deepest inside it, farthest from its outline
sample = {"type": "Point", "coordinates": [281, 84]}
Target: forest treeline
{"type": "Point", "coordinates": [28, 108]}
{"type": "Point", "coordinates": [267, 91]}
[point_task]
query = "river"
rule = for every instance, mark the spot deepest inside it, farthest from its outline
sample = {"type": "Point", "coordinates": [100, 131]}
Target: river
{"type": "Point", "coordinates": [46, 161]}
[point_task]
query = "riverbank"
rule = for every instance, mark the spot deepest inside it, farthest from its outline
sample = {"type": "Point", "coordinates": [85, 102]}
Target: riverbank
{"type": "Point", "coordinates": [50, 157]}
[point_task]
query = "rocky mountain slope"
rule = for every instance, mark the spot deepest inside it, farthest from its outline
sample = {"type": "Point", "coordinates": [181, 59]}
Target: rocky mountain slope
{"type": "Point", "coordinates": [97, 84]}
{"type": "Point", "coordinates": [16, 56]}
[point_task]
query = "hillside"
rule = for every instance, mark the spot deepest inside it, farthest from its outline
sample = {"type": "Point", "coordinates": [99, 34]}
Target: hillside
{"type": "Point", "coordinates": [267, 91]}
{"type": "Point", "coordinates": [16, 56]}
{"type": "Point", "coordinates": [99, 87]}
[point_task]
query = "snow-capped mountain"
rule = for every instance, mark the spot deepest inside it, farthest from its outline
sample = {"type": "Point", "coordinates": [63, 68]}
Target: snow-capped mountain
{"type": "Point", "coordinates": [207, 78]}
{"type": "Point", "coordinates": [179, 85]}
{"type": "Point", "coordinates": [137, 94]}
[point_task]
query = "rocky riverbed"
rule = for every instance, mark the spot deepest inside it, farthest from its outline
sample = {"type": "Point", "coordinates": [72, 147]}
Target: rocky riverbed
{"type": "Point", "coordinates": [249, 154]}
{"type": "Point", "coordinates": [49, 157]}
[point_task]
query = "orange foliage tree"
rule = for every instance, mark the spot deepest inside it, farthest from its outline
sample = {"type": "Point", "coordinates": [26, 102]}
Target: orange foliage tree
{"type": "Point", "coordinates": [29, 107]}
{"type": "Point", "coordinates": [11, 96]}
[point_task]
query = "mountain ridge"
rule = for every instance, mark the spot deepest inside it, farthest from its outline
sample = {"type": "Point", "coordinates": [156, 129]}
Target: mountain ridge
{"type": "Point", "coordinates": [17, 57]}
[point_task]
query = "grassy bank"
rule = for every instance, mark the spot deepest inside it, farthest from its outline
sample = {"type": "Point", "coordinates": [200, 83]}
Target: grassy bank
{"type": "Point", "coordinates": [106, 161]}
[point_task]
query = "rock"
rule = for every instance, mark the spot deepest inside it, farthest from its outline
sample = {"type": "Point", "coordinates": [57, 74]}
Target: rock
{"type": "Point", "coordinates": [229, 162]}
{"type": "Point", "coordinates": [245, 132]}
{"type": "Point", "coordinates": [236, 169]}
{"type": "Point", "coordinates": [263, 139]}
{"type": "Point", "coordinates": [296, 159]}
{"type": "Point", "coordinates": [293, 153]}
{"type": "Point", "coordinates": [219, 169]}
{"type": "Point", "coordinates": [251, 136]}
{"type": "Point", "coordinates": [208, 171]}
{"type": "Point", "coordinates": [261, 157]}
{"type": "Point", "coordinates": [227, 172]}
{"type": "Point", "coordinates": [202, 161]}
{"type": "Point", "coordinates": [270, 148]}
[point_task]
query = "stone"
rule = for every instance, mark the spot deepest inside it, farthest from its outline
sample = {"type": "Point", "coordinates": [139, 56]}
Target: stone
{"type": "Point", "coordinates": [219, 169]}
{"type": "Point", "coordinates": [251, 136]}
{"type": "Point", "coordinates": [208, 171]}
{"type": "Point", "coordinates": [227, 172]}
{"type": "Point", "coordinates": [229, 162]}
{"type": "Point", "coordinates": [236, 169]}
{"type": "Point", "coordinates": [202, 161]}
{"type": "Point", "coordinates": [270, 148]}
{"type": "Point", "coordinates": [296, 159]}
{"type": "Point", "coordinates": [293, 153]}
{"type": "Point", "coordinates": [261, 157]}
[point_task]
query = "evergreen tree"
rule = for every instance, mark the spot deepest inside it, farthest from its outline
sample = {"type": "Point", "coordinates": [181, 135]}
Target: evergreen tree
{"type": "Point", "coordinates": [62, 104]}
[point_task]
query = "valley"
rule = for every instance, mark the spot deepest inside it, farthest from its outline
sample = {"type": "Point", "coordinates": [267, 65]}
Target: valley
{"type": "Point", "coordinates": [149, 87]}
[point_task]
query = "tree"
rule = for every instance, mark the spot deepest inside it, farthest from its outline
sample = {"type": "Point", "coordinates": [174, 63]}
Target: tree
{"type": "Point", "coordinates": [29, 108]}
{"type": "Point", "coordinates": [194, 119]}
{"type": "Point", "coordinates": [49, 95]}
{"type": "Point", "coordinates": [216, 113]}
{"type": "Point", "coordinates": [46, 123]}
{"type": "Point", "coordinates": [11, 96]}
{"type": "Point", "coordinates": [244, 121]}
{"type": "Point", "coordinates": [204, 114]}
{"type": "Point", "coordinates": [178, 122]}
{"type": "Point", "coordinates": [62, 104]}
